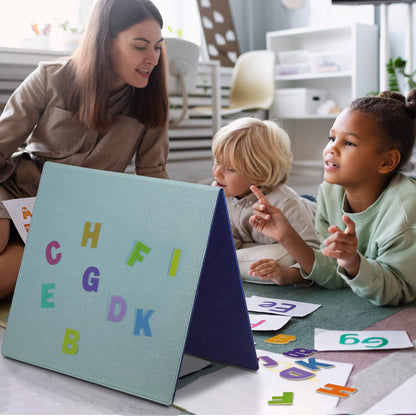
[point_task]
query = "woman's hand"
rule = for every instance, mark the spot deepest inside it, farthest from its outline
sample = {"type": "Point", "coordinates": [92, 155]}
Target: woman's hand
{"type": "Point", "coordinates": [342, 245]}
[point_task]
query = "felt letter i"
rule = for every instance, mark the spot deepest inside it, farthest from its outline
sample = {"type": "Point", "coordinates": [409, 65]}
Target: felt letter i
{"type": "Point", "coordinates": [174, 262]}
{"type": "Point", "coordinates": [70, 344]}
{"type": "Point", "coordinates": [88, 234]}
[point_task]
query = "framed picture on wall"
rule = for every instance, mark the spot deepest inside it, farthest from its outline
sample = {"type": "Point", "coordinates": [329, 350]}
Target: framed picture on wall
{"type": "Point", "coordinates": [220, 35]}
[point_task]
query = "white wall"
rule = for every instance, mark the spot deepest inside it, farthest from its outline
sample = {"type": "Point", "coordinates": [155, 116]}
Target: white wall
{"type": "Point", "coordinates": [253, 18]}
{"type": "Point", "coordinates": [398, 30]}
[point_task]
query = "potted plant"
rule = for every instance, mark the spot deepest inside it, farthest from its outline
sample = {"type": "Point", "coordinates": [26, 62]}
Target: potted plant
{"type": "Point", "coordinates": [397, 75]}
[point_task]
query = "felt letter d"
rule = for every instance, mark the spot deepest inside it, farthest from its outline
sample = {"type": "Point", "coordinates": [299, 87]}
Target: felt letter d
{"type": "Point", "coordinates": [119, 303]}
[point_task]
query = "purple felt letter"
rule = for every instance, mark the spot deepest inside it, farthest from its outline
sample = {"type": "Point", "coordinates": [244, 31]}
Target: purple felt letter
{"type": "Point", "coordinates": [53, 260]}
{"type": "Point", "coordinates": [88, 284]}
{"type": "Point", "coordinates": [119, 303]}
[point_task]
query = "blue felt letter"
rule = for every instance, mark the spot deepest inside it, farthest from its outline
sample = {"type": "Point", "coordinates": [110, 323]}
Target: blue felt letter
{"type": "Point", "coordinates": [312, 364]}
{"type": "Point", "coordinates": [143, 322]}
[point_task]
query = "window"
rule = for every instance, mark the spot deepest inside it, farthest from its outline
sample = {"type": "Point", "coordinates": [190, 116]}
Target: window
{"type": "Point", "coordinates": [181, 16]}
{"type": "Point", "coordinates": [41, 23]}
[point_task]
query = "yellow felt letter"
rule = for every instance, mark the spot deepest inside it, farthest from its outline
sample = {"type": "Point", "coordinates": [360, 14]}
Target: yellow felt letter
{"type": "Point", "coordinates": [70, 344]}
{"type": "Point", "coordinates": [88, 234]}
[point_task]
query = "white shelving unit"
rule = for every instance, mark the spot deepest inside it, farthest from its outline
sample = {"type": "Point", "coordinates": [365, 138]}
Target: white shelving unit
{"type": "Point", "coordinates": [359, 44]}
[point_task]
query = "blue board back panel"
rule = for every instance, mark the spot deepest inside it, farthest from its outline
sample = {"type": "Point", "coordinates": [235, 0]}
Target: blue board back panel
{"type": "Point", "coordinates": [223, 335]}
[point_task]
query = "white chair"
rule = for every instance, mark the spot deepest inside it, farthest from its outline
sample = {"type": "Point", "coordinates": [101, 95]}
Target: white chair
{"type": "Point", "coordinates": [252, 84]}
{"type": "Point", "coordinates": [182, 57]}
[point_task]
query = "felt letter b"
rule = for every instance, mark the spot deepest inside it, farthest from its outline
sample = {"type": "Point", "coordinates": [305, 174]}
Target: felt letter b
{"type": "Point", "coordinates": [283, 339]}
{"type": "Point", "coordinates": [70, 344]}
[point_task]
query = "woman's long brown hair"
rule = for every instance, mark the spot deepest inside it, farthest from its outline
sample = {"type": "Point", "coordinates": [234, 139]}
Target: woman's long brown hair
{"type": "Point", "coordinates": [87, 75]}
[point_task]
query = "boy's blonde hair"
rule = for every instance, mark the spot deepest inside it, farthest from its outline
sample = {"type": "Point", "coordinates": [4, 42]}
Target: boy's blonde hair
{"type": "Point", "coordinates": [260, 149]}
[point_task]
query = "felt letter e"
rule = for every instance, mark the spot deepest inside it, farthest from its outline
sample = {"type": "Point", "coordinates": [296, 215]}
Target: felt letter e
{"type": "Point", "coordinates": [46, 295]}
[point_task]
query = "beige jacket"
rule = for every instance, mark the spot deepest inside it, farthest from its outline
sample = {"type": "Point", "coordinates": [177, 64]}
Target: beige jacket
{"type": "Point", "coordinates": [36, 121]}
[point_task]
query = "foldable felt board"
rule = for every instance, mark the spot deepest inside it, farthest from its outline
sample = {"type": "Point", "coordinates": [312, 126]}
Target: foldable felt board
{"type": "Point", "coordinates": [121, 275]}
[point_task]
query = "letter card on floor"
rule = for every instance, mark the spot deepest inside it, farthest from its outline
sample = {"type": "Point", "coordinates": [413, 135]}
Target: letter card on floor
{"type": "Point", "coordinates": [122, 275]}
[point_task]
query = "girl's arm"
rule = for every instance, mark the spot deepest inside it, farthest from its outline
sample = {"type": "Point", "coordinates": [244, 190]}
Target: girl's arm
{"type": "Point", "coordinates": [384, 272]}
{"type": "Point", "coordinates": [389, 278]}
{"type": "Point", "coordinates": [342, 245]}
{"type": "Point", "coordinates": [270, 221]}
{"type": "Point", "coordinates": [269, 269]}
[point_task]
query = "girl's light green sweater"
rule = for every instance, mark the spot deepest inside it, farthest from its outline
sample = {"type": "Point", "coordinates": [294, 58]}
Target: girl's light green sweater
{"type": "Point", "coordinates": [386, 233]}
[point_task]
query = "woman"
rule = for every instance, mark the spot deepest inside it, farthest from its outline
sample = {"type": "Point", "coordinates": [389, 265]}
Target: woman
{"type": "Point", "coordinates": [98, 109]}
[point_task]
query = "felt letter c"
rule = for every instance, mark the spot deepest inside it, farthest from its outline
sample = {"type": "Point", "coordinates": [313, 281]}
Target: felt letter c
{"type": "Point", "coordinates": [53, 260]}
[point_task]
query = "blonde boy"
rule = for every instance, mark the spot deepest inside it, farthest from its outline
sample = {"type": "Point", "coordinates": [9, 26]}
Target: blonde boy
{"type": "Point", "coordinates": [249, 151]}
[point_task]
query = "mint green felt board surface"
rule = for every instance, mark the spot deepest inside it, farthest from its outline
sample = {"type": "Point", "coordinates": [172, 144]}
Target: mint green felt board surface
{"type": "Point", "coordinates": [116, 314]}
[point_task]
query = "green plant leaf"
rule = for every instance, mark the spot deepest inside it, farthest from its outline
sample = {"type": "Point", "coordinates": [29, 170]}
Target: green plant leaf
{"type": "Point", "coordinates": [391, 76]}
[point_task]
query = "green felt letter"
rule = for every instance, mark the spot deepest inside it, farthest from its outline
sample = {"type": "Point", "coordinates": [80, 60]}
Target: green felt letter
{"type": "Point", "coordinates": [135, 253]}
{"type": "Point", "coordinates": [46, 294]}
